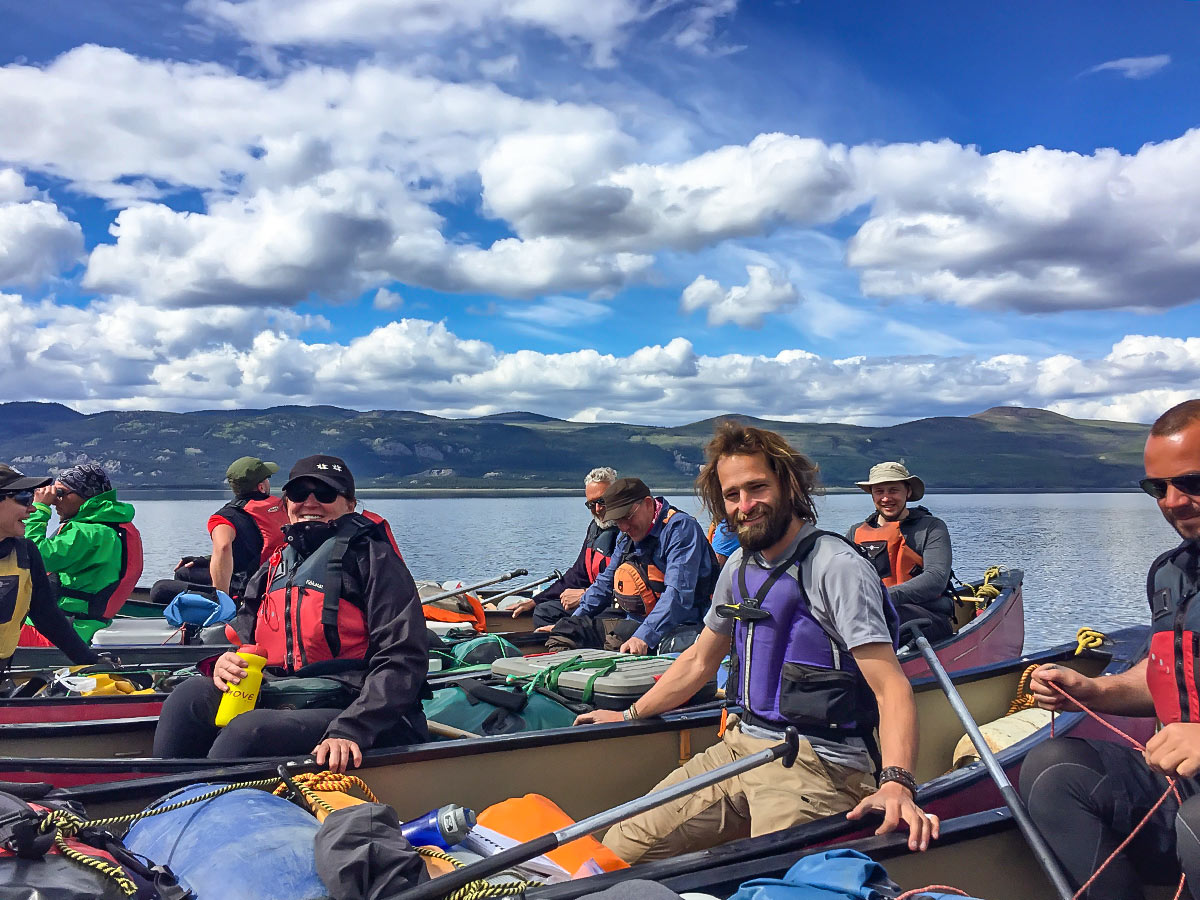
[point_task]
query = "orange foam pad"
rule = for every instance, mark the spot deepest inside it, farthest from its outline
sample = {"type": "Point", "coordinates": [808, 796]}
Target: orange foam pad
{"type": "Point", "coordinates": [531, 816]}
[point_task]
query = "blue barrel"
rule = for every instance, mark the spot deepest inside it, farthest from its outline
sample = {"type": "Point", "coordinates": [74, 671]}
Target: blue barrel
{"type": "Point", "coordinates": [244, 843]}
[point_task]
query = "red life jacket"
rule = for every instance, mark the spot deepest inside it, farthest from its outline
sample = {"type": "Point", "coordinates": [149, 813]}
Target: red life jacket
{"type": "Point", "coordinates": [104, 604]}
{"type": "Point", "coordinates": [257, 523]}
{"type": "Point", "coordinates": [303, 617]}
{"type": "Point", "coordinates": [1171, 672]}
{"type": "Point", "coordinates": [598, 549]}
{"type": "Point", "coordinates": [885, 546]}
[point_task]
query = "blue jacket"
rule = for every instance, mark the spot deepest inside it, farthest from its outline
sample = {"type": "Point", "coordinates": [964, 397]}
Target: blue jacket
{"type": "Point", "coordinates": [681, 550]}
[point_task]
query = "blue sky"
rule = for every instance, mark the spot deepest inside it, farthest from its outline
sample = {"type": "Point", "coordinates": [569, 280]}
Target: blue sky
{"type": "Point", "coordinates": [634, 210]}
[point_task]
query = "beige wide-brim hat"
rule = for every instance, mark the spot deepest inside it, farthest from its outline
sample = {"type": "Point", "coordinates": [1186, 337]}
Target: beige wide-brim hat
{"type": "Point", "coordinates": [894, 471]}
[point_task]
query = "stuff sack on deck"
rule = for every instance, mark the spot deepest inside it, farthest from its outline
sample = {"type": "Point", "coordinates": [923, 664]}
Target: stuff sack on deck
{"type": "Point", "coordinates": [480, 709]}
{"type": "Point", "coordinates": [832, 875]}
{"type": "Point", "coordinates": [247, 842]}
{"type": "Point", "coordinates": [32, 867]}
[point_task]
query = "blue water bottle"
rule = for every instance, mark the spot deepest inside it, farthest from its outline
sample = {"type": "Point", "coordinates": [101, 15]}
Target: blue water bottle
{"type": "Point", "coordinates": [442, 828]}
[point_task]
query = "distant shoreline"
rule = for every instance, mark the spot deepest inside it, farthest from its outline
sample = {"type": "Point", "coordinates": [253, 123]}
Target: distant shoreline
{"type": "Point", "coordinates": [203, 493]}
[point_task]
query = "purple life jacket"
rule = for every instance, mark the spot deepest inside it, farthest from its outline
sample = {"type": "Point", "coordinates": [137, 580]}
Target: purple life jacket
{"type": "Point", "coordinates": [786, 669]}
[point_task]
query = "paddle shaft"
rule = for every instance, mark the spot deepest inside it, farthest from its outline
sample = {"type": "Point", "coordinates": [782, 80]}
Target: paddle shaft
{"type": "Point", "coordinates": [452, 881]}
{"type": "Point", "coordinates": [553, 576]}
{"type": "Point", "coordinates": [446, 595]}
{"type": "Point", "coordinates": [1045, 856]}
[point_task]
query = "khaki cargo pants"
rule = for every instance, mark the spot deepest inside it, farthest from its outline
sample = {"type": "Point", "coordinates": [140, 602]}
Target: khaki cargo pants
{"type": "Point", "coordinates": [765, 799]}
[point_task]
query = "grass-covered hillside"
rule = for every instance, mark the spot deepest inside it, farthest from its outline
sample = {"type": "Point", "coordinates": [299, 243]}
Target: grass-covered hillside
{"type": "Point", "coordinates": [1002, 449]}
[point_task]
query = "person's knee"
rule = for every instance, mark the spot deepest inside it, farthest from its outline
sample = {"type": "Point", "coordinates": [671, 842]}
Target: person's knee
{"type": "Point", "coordinates": [1053, 769]}
{"type": "Point", "coordinates": [1187, 837]}
{"type": "Point", "coordinates": [247, 735]}
{"type": "Point", "coordinates": [197, 695]}
{"type": "Point", "coordinates": [548, 613]}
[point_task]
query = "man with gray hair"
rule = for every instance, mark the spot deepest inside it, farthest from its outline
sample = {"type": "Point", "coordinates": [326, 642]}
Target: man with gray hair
{"type": "Point", "coordinates": [563, 596]}
{"type": "Point", "coordinates": [909, 546]}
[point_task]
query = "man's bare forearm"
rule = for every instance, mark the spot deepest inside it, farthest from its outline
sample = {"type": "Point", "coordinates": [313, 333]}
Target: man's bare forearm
{"type": "Point", "coordinates": [694, 668]}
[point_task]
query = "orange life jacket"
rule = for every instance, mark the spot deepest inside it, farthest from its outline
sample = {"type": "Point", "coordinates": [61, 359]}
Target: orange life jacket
{"type": "Point", "coordinates": [638, 583]}
{"type": "Point", "coordinates": [885, 546]}
{"type": "Point", "coordinates": [462, 609]}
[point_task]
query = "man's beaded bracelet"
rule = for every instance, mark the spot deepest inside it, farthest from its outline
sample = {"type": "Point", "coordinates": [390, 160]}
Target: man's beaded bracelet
{"type": "Point", "coordinates": [900, 776]}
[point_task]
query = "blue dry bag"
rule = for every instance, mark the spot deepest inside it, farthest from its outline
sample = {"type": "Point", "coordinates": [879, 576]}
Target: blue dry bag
{"type": "Point", "coordinates": [245, 843]}
{"type": "Point", "coordinates": [192, 608]}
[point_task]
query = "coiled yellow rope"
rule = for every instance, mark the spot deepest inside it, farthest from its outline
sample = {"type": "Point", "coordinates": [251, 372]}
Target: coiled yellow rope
{"type": "Point", "coordinates": [986, 592]}
{"type": "Point", "coordinates": [1024, 699]}
{"type": "Point", "coordinates": [1088, 639]}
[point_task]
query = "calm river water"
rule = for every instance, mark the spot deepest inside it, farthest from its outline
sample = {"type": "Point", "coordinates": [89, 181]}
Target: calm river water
{"type": "Point", "coordinates": [1085, 555]}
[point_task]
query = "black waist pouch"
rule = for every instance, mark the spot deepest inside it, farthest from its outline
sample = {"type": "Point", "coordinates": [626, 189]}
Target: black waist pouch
{"type": "Point", "coordinates": [819, 700]}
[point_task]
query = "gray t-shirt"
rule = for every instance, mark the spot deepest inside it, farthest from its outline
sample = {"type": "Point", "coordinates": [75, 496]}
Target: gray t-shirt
{"type": "Point", "coordinates": [844, 596]}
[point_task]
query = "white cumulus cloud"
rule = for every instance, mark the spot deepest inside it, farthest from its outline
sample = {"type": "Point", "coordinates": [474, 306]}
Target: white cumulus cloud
{"type": "Point", "coordinates": [37, 241]}
{"type": "Point", "coordinates": [767, 291]}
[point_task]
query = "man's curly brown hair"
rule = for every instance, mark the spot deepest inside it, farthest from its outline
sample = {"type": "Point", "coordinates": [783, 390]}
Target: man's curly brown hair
{"type": "Point", "coordinates": [797, 473]}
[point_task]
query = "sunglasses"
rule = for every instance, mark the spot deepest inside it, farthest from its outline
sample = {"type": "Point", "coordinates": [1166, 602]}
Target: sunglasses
{"type": "Point", "coordinates": [594, 505]}
{"type": "Point", "coordinates": [25, 498]}
{"type": "Point", "coordinates": [298, 493]}
{"type": "Point", "coordinates": [1157, 487]}
{"type": "Point", "coordinates": [63, 492]}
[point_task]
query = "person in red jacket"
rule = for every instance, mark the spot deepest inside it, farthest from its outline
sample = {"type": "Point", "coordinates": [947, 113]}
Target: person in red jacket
{"type": "Point", "coordinates": [1086, 796]}
{"type": "Point", "coordinates": [336, 601]}
{"type": "Point", "coordinates": [244, 533]}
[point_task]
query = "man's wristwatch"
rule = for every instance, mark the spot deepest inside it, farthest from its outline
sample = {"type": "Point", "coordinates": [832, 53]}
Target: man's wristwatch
{"type": "Point", "coordinates": [630, 714]}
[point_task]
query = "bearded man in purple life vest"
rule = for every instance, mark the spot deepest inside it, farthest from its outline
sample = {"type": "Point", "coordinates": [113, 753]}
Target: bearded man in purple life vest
{"type": "Point", "coordinates": [1087, 796]}
{"type": "Point", "coordinates": [793, 602]}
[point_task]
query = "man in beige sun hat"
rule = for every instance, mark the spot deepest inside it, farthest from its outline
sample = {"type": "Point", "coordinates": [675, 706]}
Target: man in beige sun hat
{"type": "Point", "coordinates": [909, 546]}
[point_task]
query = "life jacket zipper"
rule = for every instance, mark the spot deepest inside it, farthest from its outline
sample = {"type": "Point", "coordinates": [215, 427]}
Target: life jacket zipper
{"type": "Point", "coordinates": [1180, 680]}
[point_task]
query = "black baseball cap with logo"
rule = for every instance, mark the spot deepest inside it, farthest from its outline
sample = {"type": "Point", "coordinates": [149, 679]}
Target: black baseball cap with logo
{"type": "Point", "coordinates": [14, 480]}
{"type": "Point", "coordinates": [622, 496]}
{"type": "Point", "coordinates": [328, 470]}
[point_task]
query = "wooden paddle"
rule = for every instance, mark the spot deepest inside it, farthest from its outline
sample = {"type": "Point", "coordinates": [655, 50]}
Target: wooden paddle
{"type": "Point", "coordinates": [1037, 843]}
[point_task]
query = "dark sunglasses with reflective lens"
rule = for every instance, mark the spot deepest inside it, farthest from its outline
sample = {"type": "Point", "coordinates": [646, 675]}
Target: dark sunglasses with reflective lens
{"type": "Point", "coordinates": [1157, 487]}
{"type": "Point", "coordinates": [298, 493]}
{"type": "Point", "coordinates": [594, 505]}
{"type": "Point", "coordinates": [63, 492]}
{"type": "Point", "coordinates": [25, 498]}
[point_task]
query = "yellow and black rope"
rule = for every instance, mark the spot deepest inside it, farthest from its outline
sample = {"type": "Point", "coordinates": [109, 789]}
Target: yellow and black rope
{"type": "Point", "coordinates": [477, 890]}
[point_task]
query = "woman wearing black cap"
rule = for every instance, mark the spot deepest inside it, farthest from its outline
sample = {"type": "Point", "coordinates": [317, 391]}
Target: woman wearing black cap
{"type": "Point", "coordinates": [24, 588]}
{"type": "Point", "coordinates": [336, 601]}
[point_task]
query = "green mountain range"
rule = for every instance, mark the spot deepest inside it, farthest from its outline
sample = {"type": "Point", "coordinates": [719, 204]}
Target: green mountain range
{"type": "Point", "coordinates": [1002, 449]}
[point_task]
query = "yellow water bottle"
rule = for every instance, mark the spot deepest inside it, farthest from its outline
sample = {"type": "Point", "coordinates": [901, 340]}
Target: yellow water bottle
{"type": "Point", "coordinates": [241, 697]}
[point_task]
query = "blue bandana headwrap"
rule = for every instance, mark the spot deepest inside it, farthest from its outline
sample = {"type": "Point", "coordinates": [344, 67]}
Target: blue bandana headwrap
{"type": "Point", "coordinates": [87, 480]}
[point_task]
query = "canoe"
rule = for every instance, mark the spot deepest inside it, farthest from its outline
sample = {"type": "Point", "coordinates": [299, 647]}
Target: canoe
{"type": "Point", "coordinates": [123, 726]}
{"type": "Point", "coordinates": [985, 630]}
{"type": "Point", "coordinates": [481, 771]}
{"type": "Point", "coordinates": [71, 722]}
{"type": "Point", "coordinates": [982, 853]}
